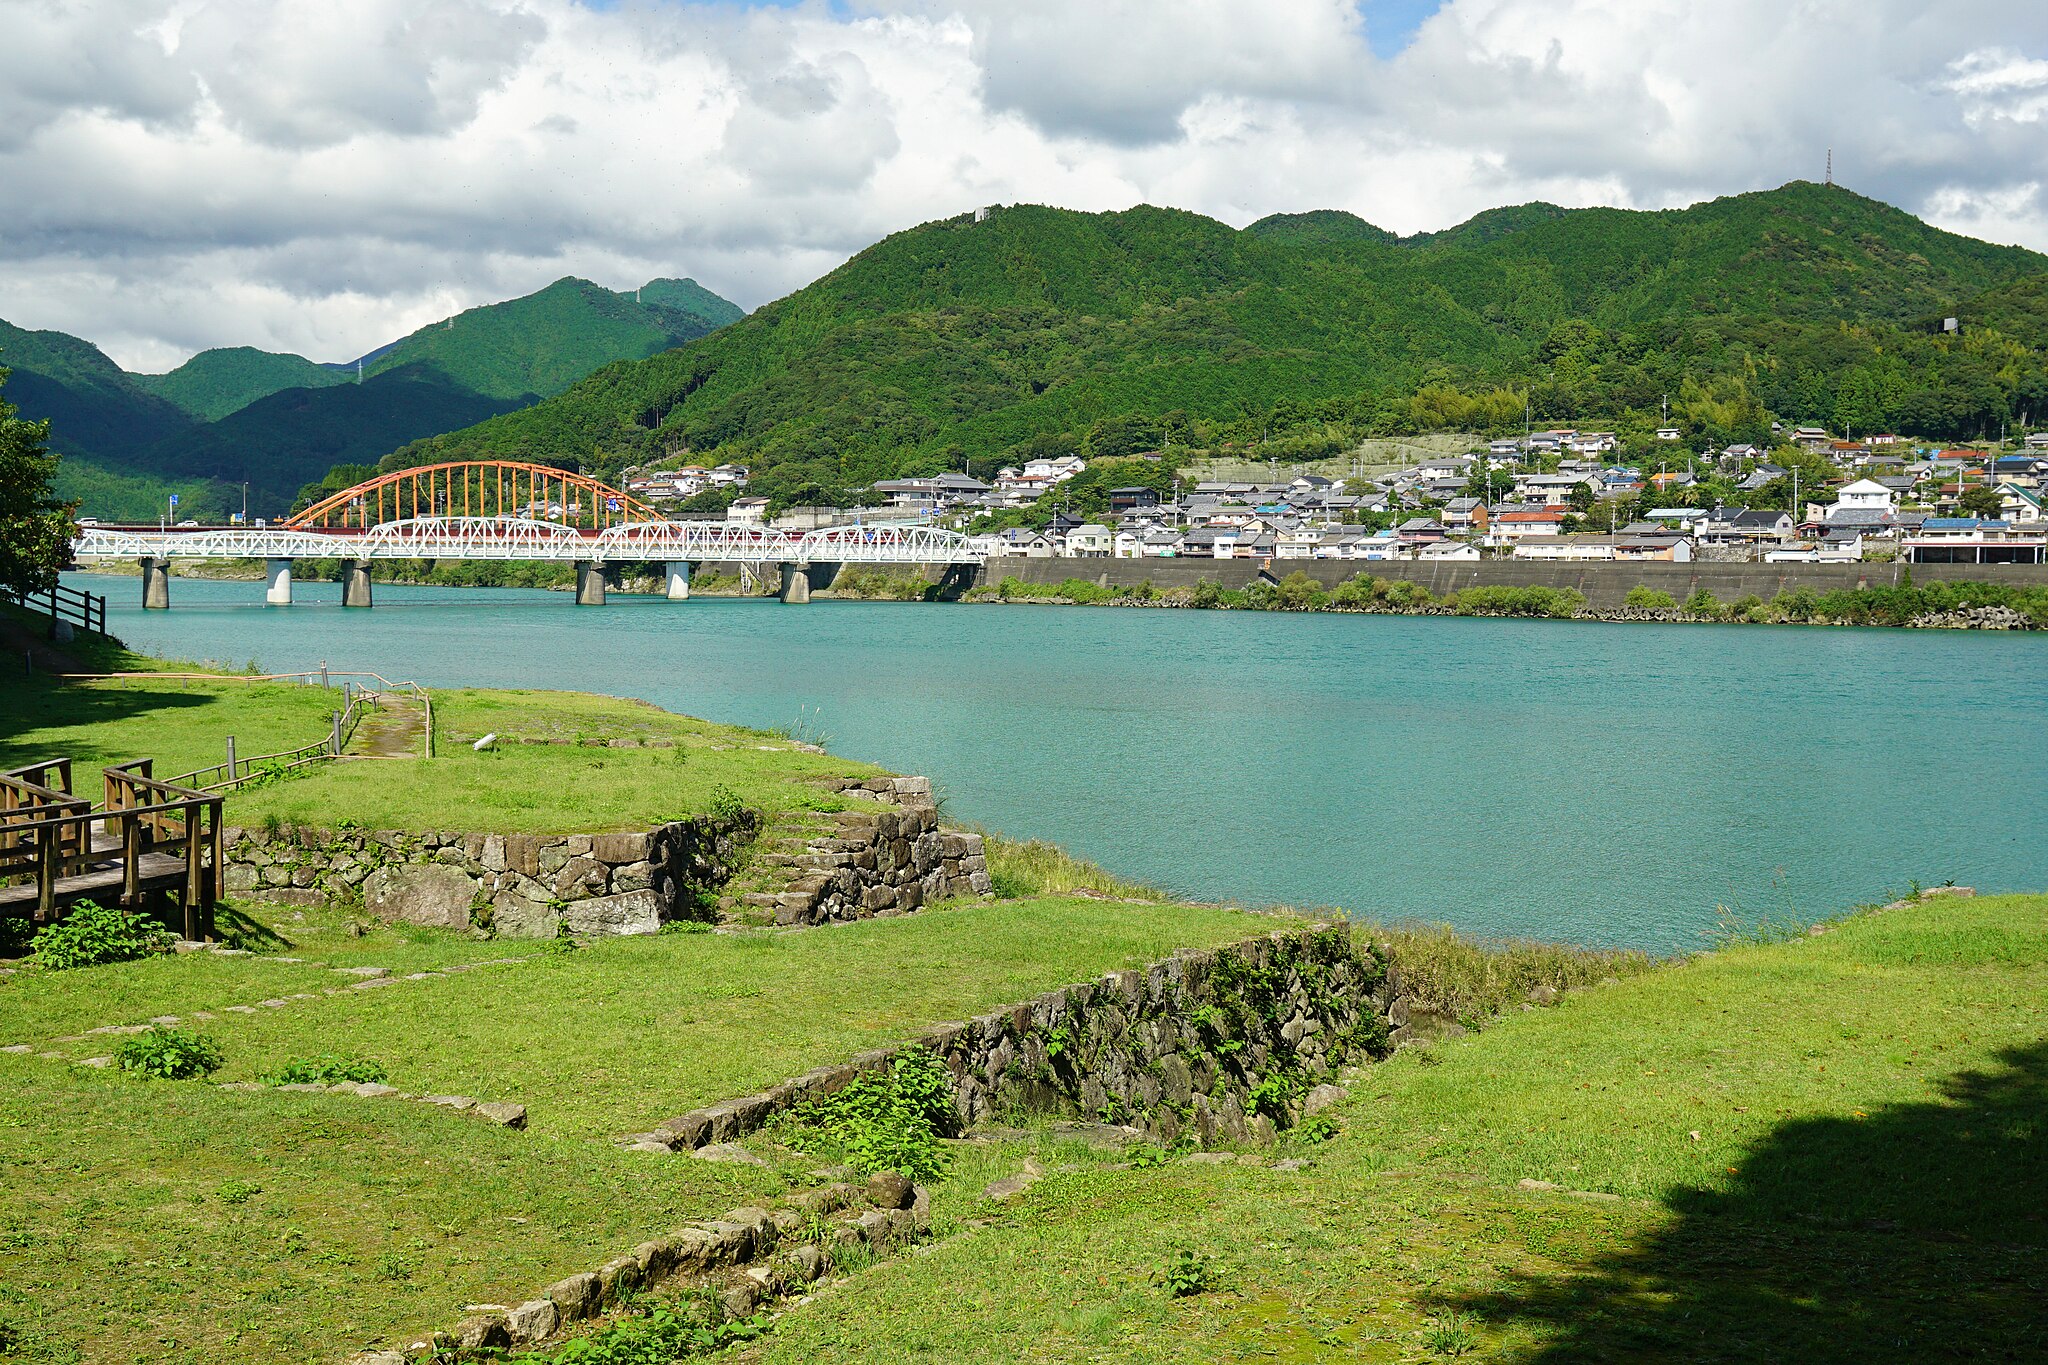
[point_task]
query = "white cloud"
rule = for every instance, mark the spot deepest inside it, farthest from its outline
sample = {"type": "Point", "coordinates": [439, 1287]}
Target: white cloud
{"type": "Point", "coordinates": [318, 176]}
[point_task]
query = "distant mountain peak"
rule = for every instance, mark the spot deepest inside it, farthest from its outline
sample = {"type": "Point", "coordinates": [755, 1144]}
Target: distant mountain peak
{"type": "Point", "coordinates": [1319, 225]}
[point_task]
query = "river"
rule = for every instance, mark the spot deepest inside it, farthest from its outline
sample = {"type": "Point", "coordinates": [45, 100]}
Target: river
{"type": "Point", "coordinates": [1602, 784]}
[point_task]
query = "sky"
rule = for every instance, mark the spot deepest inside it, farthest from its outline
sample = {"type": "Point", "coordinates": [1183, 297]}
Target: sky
{"type": "Point", "coordinates": [323, 176]}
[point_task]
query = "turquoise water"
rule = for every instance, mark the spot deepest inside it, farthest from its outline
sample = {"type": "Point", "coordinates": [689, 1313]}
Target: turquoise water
{"type": "Point", "coordinates": [1597, 783]}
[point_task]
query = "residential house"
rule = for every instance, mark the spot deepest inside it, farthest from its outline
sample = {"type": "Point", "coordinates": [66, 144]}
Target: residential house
{"type": "Point", "coordinates": [2022, 506]}
{"type": "Point", "coordinates": [1130, 499]}
{"type": "Point", "coordinates": [1461, 514]}
{"type": "Point", "coordinates": [1509, 525]}
{"type": "Point", "coordinates": [1020, 540]}
{"type": "Point", "coordinates": [747, 511]}
{"type": "Point", "coordinates": [1864, 495]}
{"type": "Point", "coordinates": [1090, 540]}
{"type": "Point", "coordinates": [1547, 490]}
{"type": "Point", "coordinates": [1447, 550]}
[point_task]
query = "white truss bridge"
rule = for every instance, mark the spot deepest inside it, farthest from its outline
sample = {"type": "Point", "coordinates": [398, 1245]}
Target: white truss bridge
{"type": "Point", "coordinates": [509, 538]}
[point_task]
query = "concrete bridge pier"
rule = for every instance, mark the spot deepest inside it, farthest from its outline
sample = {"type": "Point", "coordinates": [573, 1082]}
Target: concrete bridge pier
{"type": "Point", "coordinates": [355, 583]}
{"type": "Point", "coordinates": [156, 584]}
{"type": "Point", "coordinates": [796, 583]}
{"type": "Point", "coordinates": [678, 580]}
{"type": "Point", "coordinates": [278, 574]}
{"type": "Point", "coordinates": [589, 583]}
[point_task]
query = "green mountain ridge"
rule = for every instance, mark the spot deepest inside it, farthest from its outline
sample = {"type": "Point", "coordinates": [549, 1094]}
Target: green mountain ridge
{"type": "Point", "coordinates": [492, 350]}
{"type": "Point", "coordinates": [215, 383]}
{"type": "Point", "coordinates": [963, 340]}
{"type": "Point", "coordinates": [277, 421]}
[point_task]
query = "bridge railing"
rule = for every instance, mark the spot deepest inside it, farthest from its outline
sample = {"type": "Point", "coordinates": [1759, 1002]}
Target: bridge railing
{"type": "Point", "coordinates": [520, 539]}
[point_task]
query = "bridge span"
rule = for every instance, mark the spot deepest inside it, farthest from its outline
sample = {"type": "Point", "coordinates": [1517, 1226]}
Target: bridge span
{"type": "Point", "coordinates": [500, 510]}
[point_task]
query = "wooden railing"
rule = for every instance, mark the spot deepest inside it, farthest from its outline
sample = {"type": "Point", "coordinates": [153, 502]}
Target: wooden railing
{"type": "Point", "coordinates": [43, 829]}
{"type": "Point", "coordinates": [73, 606]}
{"type": "Point", "coordinates": [47, 833]}
{"type": "Point", "coordinates": [148, 816]}
{"type": "Point", "coordinates": [239, 768]}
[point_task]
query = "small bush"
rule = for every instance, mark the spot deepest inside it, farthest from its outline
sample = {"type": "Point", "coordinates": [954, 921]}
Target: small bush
{"type": "Point", "coordinates": [1187, 1274]}
{"type": "Point", "coordinates": [1704, 603]}
{"type": "Point", "coordinates": [237, 1192]}
{"type": "Point", "coordinates": [1651, 598]}
{"type": "Point", "coordinates": [891, 1120]}
{"type": "Point", "coordinates": [726, 805]}
{"type": "Point", "coordinates": [326, 1070]}
{"type": "Point", "coordinates": [92, 935]}
{"type": "Point", "coordinates": [170, 1054]}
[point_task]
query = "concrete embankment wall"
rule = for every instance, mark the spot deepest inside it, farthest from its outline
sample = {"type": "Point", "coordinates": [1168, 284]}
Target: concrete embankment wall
{"type": "Point", "coordinates": [1219, 1044]}
{"type": "Point", "coordinates": [1606, 585]}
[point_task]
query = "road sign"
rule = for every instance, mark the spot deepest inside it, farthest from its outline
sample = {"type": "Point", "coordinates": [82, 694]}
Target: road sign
{"type": "Point", "coordinates": [611, 504]}
{"type": "Point", "coordinates": [174, 499]}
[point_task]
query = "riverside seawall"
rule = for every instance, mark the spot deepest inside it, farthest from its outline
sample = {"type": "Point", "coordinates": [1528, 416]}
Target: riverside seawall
{"type": "Point", "coordinates": [1606, 585]}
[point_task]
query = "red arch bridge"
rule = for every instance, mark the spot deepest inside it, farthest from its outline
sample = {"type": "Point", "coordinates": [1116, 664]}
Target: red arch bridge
{"type": "Point", "coordinates": [498, 509]}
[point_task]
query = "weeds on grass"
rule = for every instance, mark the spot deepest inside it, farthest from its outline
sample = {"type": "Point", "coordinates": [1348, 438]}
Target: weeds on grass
{"type": "Point", "coordinates": [1316, 1128]}
{"type": "Point", "coordinates": [1450, 1335]}
{"type": "Point", "coordinates": [326, 1070]}
{"type": "Point", "coordinates": [1037, 868]}
{"type": "Point", "coordinates": [1470, 980]}
{"type": "Point", "coordinates": [668, 1332]}
{"type": "Point", "coordinates": [1733, 928]}
{"type": "Point", "coordinates": [170, 1054]}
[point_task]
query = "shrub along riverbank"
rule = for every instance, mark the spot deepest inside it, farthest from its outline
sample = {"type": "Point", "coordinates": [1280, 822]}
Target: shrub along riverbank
{"type": "Point", "coordinates": [1941, 604]}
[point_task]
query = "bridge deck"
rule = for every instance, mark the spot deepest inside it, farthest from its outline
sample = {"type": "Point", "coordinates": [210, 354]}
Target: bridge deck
{"type": "Point", "coordinates": [156, 872]}
{"type": "Point", "coordinates": [492, 538]}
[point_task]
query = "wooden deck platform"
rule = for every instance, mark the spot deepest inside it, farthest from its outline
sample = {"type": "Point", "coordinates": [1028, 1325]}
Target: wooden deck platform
{"type": "Point", "coordinates": [147, 843]}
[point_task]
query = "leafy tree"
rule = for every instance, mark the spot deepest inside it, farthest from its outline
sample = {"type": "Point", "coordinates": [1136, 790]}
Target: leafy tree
{"type": "Point", "coordinates": [35, 528]}
{"type": "Point", "coordinates": [1982, 501]}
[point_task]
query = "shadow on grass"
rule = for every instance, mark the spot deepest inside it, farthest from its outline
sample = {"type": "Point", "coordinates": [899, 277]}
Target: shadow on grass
{"type": "Point", "coordinates": [1916, 1232]}
{"type": "Point", "coordinates": [42, 704]}
{"type": "Point", "coordinates": [239, 929]}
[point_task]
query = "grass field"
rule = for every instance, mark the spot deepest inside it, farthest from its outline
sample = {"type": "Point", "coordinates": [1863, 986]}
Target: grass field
{"type": "Point", "coordinates": [1830, 1149]}
{"type": "Point", "coordinates": [127, 1234]}
{"type": "Point", "coordinates": [549, 773]}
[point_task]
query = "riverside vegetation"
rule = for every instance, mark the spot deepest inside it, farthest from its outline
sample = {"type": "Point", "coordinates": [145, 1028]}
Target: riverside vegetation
{"type": "Point", "coordinates": [1599, 1156]}
{"type": "Point", "coordinates": [1908, 604]}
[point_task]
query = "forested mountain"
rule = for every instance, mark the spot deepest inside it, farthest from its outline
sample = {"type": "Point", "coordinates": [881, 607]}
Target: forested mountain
{"type": "Point", "coordinates": [227, 379]}
{"type": "Point", "coordinates": [238, 414]}
{"type": "Point", "coordinates": [1040, 327]}
{"type": "Point", "coordinates": [90, 401]}
{"type": "Point", "coordinates": [542, 343]}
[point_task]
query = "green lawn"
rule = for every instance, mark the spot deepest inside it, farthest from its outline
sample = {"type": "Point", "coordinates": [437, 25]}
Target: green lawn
{"type": "Point", "coordinates": [121, 1240]}
{"type": "Point", "coordinates": [545, 776]}
{"type": "Point", "coordinates": [1831, 1149]}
